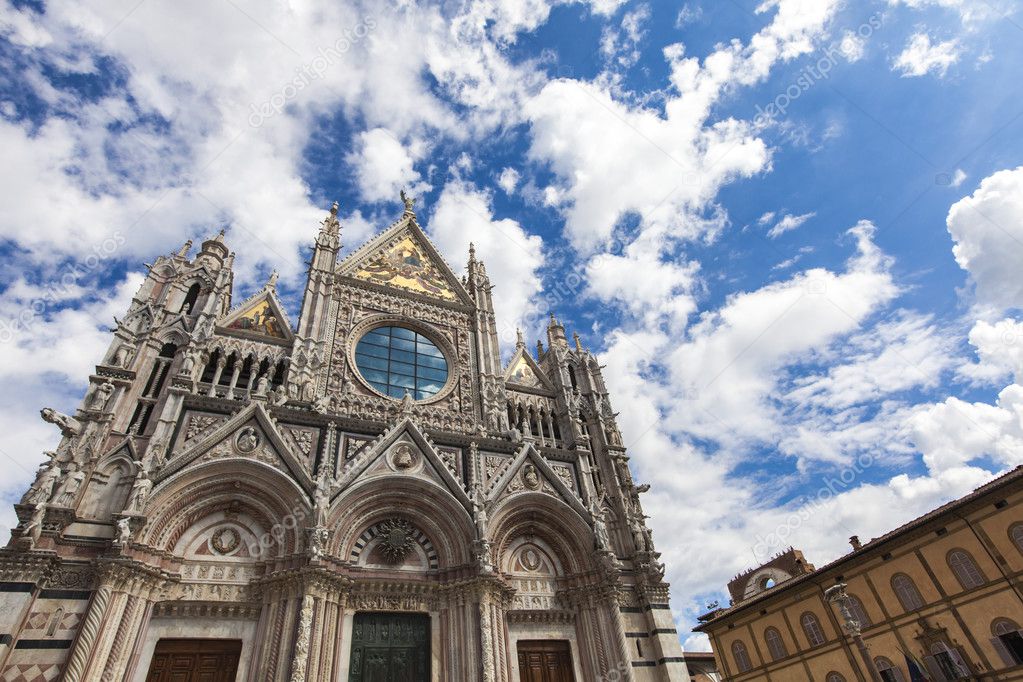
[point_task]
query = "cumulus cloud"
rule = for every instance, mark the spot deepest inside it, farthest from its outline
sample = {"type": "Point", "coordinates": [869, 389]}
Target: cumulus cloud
{"type": "Point", "coordinates": [921, 56]}
{"type": "Point", "coordinates": [508, 180]}
{"type": "Point", "coordinates": [384, 166]}
{"type": "Point", "coordinates": [987, 231]}
{"type": "Point", "coordinates": [513, 257]}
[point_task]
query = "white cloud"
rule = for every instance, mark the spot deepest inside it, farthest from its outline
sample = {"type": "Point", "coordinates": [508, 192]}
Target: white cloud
{"type": "Point", "coordinates": [999, 351]}
{"type": "Point", "coordinates": [852, 45]}
{"type": "Point", "coordinates": [513, 257]}
{"type": "Point", "coordinates": [384, 166]}
{"type": "Point", "coordinates": [987, 228]}
{"type": "Point", "coordinates": [958, 178]}
{"type": "Point", "coordinates": [622, 45]}
{"type": "Point", "coordinates": [508, 180]}
{"type": "Point", "coordinates": [787, 223]}
{"type": "Point", "coordinates": [921, 57]}
{"type": "Point", "coordinates": [663, 165]}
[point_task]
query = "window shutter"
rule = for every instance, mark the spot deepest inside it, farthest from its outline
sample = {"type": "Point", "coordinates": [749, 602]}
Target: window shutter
{"type": "Point", "coordinates": [1003, 652]}
{"type": "Point", "coordinates": [934, 669]}
{"type": "Point", "coordinates": [960, 661]}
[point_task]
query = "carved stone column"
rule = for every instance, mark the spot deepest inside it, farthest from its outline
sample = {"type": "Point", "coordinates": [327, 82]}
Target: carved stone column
{"type": "Point", "coordinates": [300, 658]}
{"type": "Point", "coordinates": [282, 598]}
{"type": "Point", "coordinates": [114, 619]}
{"type": "Point", "coordinates": [492, 598]}
{"type": "Point", "coordinates": [81, 651]}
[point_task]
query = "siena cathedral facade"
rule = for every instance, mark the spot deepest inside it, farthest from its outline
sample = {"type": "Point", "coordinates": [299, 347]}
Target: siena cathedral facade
{"type": "Point", "coordinates": [370, 495]}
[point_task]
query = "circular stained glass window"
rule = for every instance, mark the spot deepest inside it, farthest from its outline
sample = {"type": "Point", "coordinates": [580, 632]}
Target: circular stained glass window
{"type": "Point", "coordinates": [396, 361]}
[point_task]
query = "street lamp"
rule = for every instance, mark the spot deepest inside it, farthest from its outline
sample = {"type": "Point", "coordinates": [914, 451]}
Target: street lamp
{"type": "Point", "coordinates": [836, 595]}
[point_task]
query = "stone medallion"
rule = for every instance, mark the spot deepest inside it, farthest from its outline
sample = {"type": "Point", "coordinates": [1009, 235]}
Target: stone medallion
{"type": "Point", "coordinates": [404, 457]}
{"type": "Point", "coordinates": [530, 477]}
{"type": "Point", "coordinates": [225, 540]}
{"type": "Point", "coordinates": [247, 440]}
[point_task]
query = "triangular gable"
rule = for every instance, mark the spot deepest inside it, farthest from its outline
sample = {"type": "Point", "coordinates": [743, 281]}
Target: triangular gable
{"type": "Point", "coordinates": [261, 316]}
{"type": "Point", "coordinates": [406, 429]}
{"type": "Point", "coordinates": [523, 371]}
{"type": "Point", "coordinates": [513, 480]}
{"type": "Point", "coordinates": [255, 413]}
{"type": "Point", "coordinates": [127, 446]}
{"type": "Point", "coordinates": [403, 257]}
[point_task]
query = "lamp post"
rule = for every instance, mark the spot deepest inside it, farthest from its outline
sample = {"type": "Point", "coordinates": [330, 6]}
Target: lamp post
{"type": "Point", "coordinates": [836, 595]}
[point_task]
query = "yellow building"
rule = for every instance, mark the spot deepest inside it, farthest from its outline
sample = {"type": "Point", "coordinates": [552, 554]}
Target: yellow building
{"type": "Point", "coordinates": [942, 594]}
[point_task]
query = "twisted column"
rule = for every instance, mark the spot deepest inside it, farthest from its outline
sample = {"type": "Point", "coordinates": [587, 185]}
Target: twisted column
{"type": "Point", "coordinates": [75, 667]}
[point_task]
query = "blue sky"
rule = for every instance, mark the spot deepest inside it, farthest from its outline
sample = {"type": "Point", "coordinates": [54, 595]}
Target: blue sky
{"type": "Point", "coordinates": [792, 229]}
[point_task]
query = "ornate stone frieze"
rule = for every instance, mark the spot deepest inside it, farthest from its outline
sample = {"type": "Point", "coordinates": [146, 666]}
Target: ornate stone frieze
{"type": "Point", "coordinates": [228, 610]}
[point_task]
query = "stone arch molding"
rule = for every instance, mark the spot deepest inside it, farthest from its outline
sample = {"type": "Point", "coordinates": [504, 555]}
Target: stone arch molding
{"type": "Point", "coordinates": [262, 505]}
{"type": "Point", "coordinates": [447, 528]}
{"type": "Point", "coordinates": [564, 536]}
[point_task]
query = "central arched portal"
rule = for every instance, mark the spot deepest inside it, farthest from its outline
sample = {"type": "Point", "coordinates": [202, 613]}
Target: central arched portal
{"type": "Point", "coordinates": [390, 647]}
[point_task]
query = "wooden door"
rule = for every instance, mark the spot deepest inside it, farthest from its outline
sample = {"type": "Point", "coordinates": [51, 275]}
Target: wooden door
{"type": "Point", "coordinates": [545, 661]}
{"type": "Point", "coordinates": [195, 660]}
{"type": "Point", "coordinates": [390, 647]}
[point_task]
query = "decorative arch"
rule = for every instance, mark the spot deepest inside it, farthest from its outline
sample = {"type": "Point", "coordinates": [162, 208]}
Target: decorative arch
{"type": "Point", "coordinates": [430, 508]}
{"type": "Point", "coordinates": [567, 535]}
{"type": "Point", "coordinates": [275, 502]}
{"type": "Point", "coordinates": [109, 486]}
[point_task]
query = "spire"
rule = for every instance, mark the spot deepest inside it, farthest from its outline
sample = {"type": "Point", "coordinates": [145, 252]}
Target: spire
{"type": "Point", "coordinates": [185, 248]}
{"type": "Point", "coordinates": [578, 345]}
{"type": "Point", "coordinates": [472, 254]}
{"type": "Point", "coordinates": [556, 333]}
{"type": "Point", "coordinates": [409, 202]}
{"type": "Point", "coordinates": [519, 342]}
{"type": "Point", "coordinates": [331, 225]}
{"type": "Point", "coordinates": [539, 348]}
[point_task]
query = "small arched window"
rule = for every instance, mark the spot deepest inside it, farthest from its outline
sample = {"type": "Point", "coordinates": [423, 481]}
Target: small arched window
{"type": "Point", "coordinates": [812, 629]}
{"type": "Point", "coordinates": [965, 568]}
{"type": "Point", "coordinates": [190, 298]}
{"type": "Point", "coordinates": [741, 656]}
{"type": "Point", "coordinates": [1008, 641]}
{"type": "Point", "coordinates": [888, 672]}
{"type": "Point", "coordinates": [859, 613]}
{"type": "Point", "coordinates": [834, 677]}
{"type": "Point", "coordinates": [775, 644]}
{"type": "Point", "coordinates": [1016, 534]}
{"type": "Point", "coordinates": [907, 593]}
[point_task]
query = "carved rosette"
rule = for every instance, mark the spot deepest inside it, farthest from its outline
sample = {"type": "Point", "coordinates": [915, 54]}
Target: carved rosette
{"type": "Point", "coordinates": [396, 540]}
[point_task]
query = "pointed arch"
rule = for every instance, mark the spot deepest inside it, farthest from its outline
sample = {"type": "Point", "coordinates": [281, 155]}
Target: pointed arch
{"type": "Point", "coordinates": [273, 499]}
{"type": "Point", "coordinates": [536, 514]}
{"type": "Point", "coordinates": [441, 517]}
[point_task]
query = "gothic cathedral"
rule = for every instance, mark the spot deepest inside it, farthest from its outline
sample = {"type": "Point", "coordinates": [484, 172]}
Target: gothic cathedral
{"type": "Point", "coordinates": [371, 495]}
